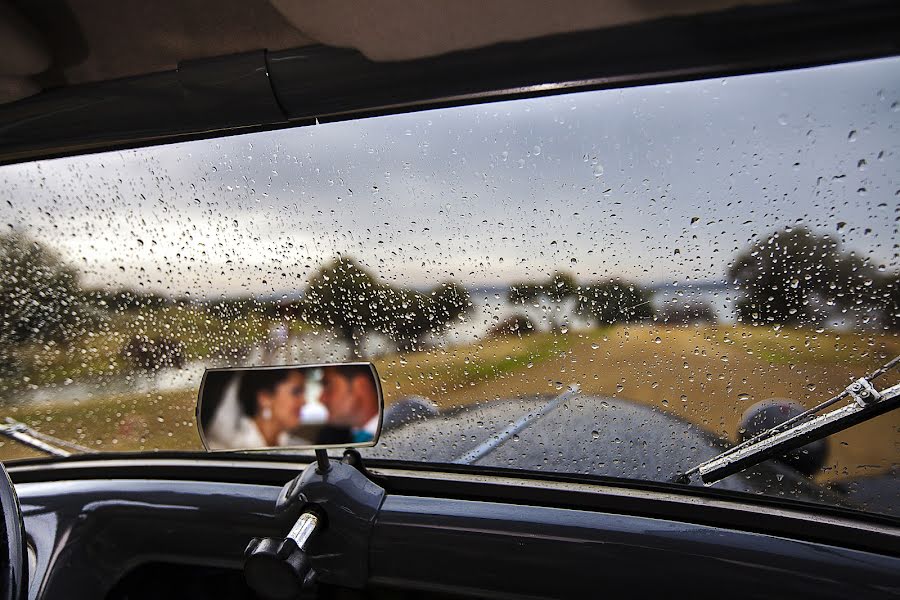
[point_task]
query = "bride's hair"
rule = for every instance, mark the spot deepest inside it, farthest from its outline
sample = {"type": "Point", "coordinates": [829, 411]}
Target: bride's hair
{"type": "Point", "coordinates": [254, 382]}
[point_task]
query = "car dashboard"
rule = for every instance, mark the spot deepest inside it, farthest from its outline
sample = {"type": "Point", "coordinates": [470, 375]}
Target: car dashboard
{"type": "Point", "coordinates": [112, 536]}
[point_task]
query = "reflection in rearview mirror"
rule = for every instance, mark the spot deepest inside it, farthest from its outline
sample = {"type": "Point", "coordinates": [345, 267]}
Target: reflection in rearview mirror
{"type": "Point", "coordinates": [302, 407]}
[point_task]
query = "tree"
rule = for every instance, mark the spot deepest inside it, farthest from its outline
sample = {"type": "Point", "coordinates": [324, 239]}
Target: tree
{"type": "Point", "coordinates": [126, 300]}
{"type": "Point", "coordinates": [344, 296]}
{"type": "Point", "coordinates": [451, 302]}
{"type": "Point", "coordinates": [515, 325]}
{"type": "Point", "coordinates": [520, 293]}
{"type": "Point", "coordinates": [40, 298]}
{"type": "Point", "coordinates": [411, 319]}
{"type": "Point", "coordinates": [416, 315]}
{"type": "Point", "coordinates": [796, 276]}
{"type": "Point", "coordinates": [889, 295]}
{"type": "Point", "coordinates": [687, 314]}
{"type": "Point", "coordinates": [559, 288]}
{"type": "Point", "coordinates": [154, 353]}
{"type": "Point", "coordinates": [614, 301]}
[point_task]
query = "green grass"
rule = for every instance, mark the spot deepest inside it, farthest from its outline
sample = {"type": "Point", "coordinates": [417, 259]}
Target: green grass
{"type": "Point", "coordinates": [94, 355]}
{"type": "Point", "coordinates": [435, 373]}
{"type": "Point", "coordinates": [534, 349]}
{"type": "Point", "coordinates": [118, 423]}
{"type": "Point", "coordinates": [792, 345]}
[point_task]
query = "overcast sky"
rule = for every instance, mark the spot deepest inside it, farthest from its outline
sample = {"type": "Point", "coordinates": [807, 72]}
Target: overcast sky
{"type": "Point", "coordinates": [658, 184]}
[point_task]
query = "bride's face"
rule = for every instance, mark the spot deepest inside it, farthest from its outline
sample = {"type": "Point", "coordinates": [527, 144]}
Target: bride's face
{"type": "Point", "coordinates": [286, 400]}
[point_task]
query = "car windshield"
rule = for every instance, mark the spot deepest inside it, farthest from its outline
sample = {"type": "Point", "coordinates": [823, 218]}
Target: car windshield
{"type": "Point", "coordinates": [612, 282]}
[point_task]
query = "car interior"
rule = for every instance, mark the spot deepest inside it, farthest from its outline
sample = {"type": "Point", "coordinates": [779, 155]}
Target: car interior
{"type": "Point", "coordinates": [409, 497]}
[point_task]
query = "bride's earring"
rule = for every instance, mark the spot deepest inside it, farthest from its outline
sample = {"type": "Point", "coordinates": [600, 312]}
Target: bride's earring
{"type": "Point", "coordinates": [266, 413]}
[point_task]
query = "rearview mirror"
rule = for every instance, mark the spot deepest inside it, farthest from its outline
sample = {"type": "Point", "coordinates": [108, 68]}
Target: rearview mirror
{"type": "Point", "coordinates": [297, 407]}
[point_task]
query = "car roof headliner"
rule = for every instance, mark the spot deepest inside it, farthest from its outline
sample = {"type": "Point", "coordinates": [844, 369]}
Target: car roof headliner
{"type": "Point", "coordinates": [54, 43]}
{"type": "Point", "coordinates": [81, 76]}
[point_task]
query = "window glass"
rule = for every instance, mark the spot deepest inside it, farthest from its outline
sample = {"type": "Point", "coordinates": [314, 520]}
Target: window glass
{"type": "Point", "coordinates": [685, 255]}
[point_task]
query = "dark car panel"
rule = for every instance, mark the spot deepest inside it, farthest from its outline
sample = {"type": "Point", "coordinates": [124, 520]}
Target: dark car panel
{"type": "Point", "coordinates": [89, 535]}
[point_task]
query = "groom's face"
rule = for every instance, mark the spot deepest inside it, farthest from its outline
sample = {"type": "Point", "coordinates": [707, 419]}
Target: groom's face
{"type": "Point", "coordinates": [337, 397]}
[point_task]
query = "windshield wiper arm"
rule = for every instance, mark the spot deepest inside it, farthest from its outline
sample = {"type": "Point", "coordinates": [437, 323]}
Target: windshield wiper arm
{"type": "Point", "coordinates": [491, 444]}
{"type": "Point", "coordinates": [33, 438]}
{"type": "Point", "coordinates": [867, 403]}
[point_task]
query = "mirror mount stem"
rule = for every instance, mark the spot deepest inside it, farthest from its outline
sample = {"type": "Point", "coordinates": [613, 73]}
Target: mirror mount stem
{"type": "Point", "coordinates": [322, 463]}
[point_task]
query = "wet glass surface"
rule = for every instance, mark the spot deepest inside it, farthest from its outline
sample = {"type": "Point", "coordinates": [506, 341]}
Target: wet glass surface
{"type": "Point", "coordinates": [680, 253]}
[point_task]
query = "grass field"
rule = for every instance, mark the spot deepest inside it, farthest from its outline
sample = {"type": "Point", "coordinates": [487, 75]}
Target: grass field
{"type": "Point", "coordinates": [708, 375]}
{"type": "Point", "coordinates": [99, 353]}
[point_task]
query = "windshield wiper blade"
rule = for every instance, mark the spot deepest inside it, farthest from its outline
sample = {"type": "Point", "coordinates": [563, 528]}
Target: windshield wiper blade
{"type": "Point", "coordinates": [866, 403]}
{"type": "Point", "coordinates": [33, 438]}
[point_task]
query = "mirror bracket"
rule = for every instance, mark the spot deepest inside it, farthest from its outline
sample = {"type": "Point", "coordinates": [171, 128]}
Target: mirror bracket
{"type": "Point", "coordinates": [292, 492]}
{"type": "Point", "coordinates": [347, 502]}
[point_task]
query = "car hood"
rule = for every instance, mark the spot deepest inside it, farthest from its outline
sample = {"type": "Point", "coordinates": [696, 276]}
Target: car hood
{"type": "Point", "coordinates": [587, 435]}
